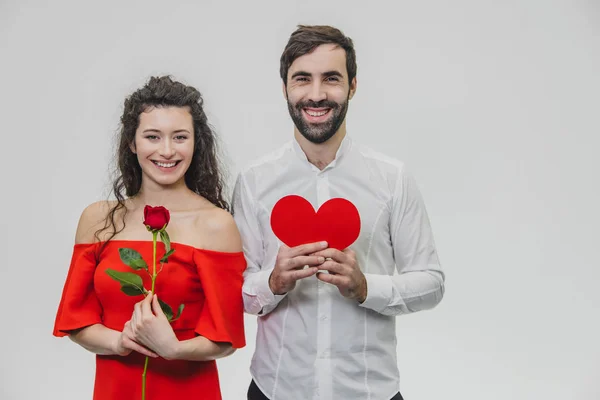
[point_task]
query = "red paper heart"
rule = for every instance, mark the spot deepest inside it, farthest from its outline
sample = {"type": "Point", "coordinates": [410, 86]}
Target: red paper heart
{"type": "Point", "coordinates": [295, 222]}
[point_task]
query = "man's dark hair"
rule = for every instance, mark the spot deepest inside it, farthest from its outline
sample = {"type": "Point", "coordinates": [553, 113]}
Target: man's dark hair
{"type": "Point", "coordinates": [306, 38]}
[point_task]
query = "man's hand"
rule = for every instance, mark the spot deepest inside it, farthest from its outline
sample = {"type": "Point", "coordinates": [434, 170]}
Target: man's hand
{"type": "Point", "coordinates": [344, 273]}
{"type": "Point", "coordinates": [289, 266]}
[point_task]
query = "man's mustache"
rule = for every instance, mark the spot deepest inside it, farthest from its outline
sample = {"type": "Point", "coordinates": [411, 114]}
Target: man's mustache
{"type": "Point", "coordinates": [317, 104]}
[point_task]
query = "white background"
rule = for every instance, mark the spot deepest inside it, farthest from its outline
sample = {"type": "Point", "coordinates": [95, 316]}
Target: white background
{"type": "Point", "coordinates": [494, 106]}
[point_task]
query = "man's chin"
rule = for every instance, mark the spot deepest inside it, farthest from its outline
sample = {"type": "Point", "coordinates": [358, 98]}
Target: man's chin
{"type": "Point", "coordinates": [317, 124]}
{"type": "Point", "coordinates": [317, 139]}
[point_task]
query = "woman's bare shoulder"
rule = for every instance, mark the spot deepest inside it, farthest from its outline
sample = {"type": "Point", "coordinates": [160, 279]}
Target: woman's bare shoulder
{"type": "Point", "coordinates": [216, 230]}
{"type": "Point", "coordinates": [93, 219]}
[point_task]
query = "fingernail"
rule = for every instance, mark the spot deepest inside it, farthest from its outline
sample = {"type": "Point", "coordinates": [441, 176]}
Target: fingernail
{"type": "Point", "coordinates": [321, 260]}
{"type": "Point", "coordinates": [323, 244]}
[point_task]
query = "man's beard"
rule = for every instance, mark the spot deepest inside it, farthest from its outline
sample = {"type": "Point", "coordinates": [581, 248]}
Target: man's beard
{"type": "Point", "coordinates": [320, 132]}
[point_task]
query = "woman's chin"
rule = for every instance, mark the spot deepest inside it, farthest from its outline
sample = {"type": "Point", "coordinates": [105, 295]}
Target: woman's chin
{"type": "Point", "coordinates": [169, 181]}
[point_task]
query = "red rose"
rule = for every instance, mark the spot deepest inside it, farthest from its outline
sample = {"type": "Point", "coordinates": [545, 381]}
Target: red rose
{"type": "Point", "coordinates": [156, 218]}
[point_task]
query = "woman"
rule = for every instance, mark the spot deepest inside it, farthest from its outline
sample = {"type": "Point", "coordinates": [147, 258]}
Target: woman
{"type": "Point", "coordinates": [167, 157]}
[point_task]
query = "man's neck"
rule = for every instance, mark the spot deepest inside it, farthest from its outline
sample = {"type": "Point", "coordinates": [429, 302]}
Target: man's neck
{"type": "Point", "coordinates": [322, 154]}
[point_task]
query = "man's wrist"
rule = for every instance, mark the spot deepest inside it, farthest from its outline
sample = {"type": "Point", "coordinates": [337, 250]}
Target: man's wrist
{"type": "Point", "coordinates": [271, 282]}
{"type": "Point", "coordinates": [362, 294]}
{"type": "Point", "coordinates": [271, 286]}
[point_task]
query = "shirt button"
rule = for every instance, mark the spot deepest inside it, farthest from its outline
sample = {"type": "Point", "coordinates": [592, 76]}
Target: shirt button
{"type": "Point", "coordinates": [323, 317]}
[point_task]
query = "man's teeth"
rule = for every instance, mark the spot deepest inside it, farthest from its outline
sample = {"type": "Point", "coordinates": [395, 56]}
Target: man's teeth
{"type": "Point", "coordinates": [165, 165]}
{"type": "Point", "coordinates": [316, 113]}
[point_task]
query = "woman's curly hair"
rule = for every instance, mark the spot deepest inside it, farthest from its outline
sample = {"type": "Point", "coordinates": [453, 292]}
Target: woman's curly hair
{"type": "Point", "coordinates": [204, 175]}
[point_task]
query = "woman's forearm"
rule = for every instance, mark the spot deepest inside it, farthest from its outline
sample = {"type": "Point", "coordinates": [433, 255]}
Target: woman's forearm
{"type": "Point", "coordinates": [97, 339]}
{"type": "Point", "coordinates": [102, 340]}
{"type": "Point", "coordinates": [201, 349]}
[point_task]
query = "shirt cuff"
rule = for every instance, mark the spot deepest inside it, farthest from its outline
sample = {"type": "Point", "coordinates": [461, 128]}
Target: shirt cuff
{"type": "Point", "coordinates": [264, 295]}
{"type": "Point", "coordinates": [379, 292]}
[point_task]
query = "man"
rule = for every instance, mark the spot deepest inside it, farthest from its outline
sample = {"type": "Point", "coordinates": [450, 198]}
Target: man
{"type": "Point", "coordinates": [326, 326]}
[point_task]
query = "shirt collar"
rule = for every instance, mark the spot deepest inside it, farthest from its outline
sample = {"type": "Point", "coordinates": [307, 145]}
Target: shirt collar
{"type": "Point", "coordinates": [339, 155]}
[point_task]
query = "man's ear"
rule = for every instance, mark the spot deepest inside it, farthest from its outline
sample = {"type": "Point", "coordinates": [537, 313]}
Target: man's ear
{"type": "Point", "coordinates": [284, 90]}
{"type": "Point", "coordinates": [352, 88]}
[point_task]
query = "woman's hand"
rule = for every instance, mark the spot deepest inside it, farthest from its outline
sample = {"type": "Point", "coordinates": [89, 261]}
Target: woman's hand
{"type": "Point", "coordinates": [126, 343]}
{"type": "Point", "coordinates": [151, 328]}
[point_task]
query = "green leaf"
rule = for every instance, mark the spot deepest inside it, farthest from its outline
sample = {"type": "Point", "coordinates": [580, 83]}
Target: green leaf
{"type": "Point", "coordinates": [166, 309]}
{"type": "Point", "coordinates": [132, 258]}
{"type": "Point", "coordinates": [131, 284]}
{"type": "Point", "coordinates": [180, 310]}
{"type": "Point", "coordinates": [164, 237]}
{"type": "Point", "coordinates": [131, 290]}
{"type": "Point", "coordinates": [138, 264]}
{"type": "Point", "coordinates": [165, 258]}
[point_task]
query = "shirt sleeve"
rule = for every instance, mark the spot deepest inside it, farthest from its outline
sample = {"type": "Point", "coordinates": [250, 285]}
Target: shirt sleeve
{"type": "Point", "coordinates": [222, 315]}
{"type": "Point", "coordinates": [79, 307]}
{"type": "Point", "coordinates": [419, 284]}
{"type": "Point", "coordinates": [257, 295]}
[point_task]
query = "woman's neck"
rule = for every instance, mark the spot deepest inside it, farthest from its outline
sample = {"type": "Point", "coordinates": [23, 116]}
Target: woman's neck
{"type": "Point", "coordinates": [173, 197]}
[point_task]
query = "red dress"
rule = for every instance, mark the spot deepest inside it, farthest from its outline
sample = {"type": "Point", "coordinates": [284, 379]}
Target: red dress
{"type": "Point", "coordinates": [209, 283]}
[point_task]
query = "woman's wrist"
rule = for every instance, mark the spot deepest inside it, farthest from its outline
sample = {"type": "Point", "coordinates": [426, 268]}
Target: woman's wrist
{"type": "Point", "coordinates": [174, 351]}
{"type": "Point", "coordinates": [114, 343]}
{"type": "Point", "coordinates": [98, 339]}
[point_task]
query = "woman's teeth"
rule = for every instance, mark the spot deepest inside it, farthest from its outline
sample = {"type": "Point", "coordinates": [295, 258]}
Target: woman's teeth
{"type": "Point", "coordinates": [165, 165]}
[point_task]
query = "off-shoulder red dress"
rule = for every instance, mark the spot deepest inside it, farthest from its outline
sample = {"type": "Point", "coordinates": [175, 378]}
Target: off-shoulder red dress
{"type": "Point", "coordinates": [209, 283]}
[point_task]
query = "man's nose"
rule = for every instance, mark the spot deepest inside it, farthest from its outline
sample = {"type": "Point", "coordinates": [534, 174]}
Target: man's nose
{"type": "Point", "coordinates": [317, 92]}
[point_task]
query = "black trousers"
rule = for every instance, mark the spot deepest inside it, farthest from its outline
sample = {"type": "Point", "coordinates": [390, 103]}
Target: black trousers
{"type": "Point", "coordinates": [254, 393]}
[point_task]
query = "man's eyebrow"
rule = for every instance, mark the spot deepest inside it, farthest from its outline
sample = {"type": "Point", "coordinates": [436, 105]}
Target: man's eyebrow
{"type": "Point", "coordinates": [332, 73]}
{"type": "Point", "coordinates": [300, 73]}
{"type": "Point", "coordinates": [326, 74]}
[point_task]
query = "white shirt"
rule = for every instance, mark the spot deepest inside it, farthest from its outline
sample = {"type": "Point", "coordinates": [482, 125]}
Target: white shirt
{"type": "Point", "coordinates": [313, 343]}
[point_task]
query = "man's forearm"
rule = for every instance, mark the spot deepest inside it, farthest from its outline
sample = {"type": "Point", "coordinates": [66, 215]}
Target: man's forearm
{"type": "Point", "coordinates": [258, 297]}
{"type": "Point", "coordinates": [405, 293]}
